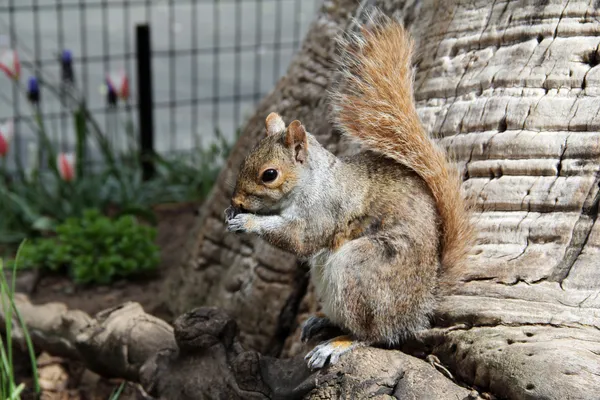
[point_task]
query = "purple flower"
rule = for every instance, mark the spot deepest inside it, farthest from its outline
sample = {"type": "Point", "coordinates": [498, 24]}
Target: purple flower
{"type": "Point", "coordinates": [33, 90]}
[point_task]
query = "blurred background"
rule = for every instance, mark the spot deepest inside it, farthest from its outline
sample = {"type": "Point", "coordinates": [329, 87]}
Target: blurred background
{"type": "Point", "coordinates": [212, 61]}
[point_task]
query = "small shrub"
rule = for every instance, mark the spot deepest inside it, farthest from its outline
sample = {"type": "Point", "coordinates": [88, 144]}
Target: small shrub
{"type": "Point", "coordinates": [95, 248]}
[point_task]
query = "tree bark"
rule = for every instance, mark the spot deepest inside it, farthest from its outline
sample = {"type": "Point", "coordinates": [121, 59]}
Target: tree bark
{"type": "Point", "coordinates": [115, 343]}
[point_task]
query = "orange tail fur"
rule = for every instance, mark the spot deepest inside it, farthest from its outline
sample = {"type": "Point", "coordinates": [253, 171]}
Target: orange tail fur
{"type": "Point", "coordinates": [375, 106]}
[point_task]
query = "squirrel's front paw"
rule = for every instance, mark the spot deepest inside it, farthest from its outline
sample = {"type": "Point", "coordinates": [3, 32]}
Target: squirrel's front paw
{"type": "Point", "coordinates": [230, 212]}
{"type": "Point", "coordinates": [241, 223]}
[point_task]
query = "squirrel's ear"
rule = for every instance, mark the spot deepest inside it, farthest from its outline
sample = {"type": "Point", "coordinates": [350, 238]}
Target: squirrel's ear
{"type": "Point", "coordinates": [274, 124]}
{"type": "Point", "coordinates": [295, 137]}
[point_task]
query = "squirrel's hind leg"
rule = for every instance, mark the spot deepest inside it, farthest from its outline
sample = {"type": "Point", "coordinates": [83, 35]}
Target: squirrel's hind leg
{"type": "Point", "coordinates": [380, 287]}
{"type": "Point", "coordinates": [331, 350]}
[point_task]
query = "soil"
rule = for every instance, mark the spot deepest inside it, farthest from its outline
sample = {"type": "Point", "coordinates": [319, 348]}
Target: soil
{"type": "Point", "coordinates": [175, 222]}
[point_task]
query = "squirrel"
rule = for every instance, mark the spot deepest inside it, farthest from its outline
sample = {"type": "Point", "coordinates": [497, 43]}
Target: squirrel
{"type": "Point", "coordinates": [380, 229]}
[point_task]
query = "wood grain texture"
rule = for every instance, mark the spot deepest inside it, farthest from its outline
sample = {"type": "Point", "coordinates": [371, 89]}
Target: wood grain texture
{"type": "Point", "coordinates": [510, 89]}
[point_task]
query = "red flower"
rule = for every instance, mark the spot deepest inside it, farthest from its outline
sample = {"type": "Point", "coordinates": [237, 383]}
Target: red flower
{"type": "Point", "coordinates": [9, 63]}
{"type": "Point", "coordinates": [119, 84]}
{"type": "Point", "coordinates": [66, 166]}
{"type": "Point", "coordinates": [6, 134]}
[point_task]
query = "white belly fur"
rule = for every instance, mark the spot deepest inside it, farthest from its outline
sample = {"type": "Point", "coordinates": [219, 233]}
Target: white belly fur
{"type": "Point", "coordinates": [327, 278]}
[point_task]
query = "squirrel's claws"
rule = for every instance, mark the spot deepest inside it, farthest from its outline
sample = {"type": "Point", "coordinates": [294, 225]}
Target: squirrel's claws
{"type": "Point", "coordinates": [318, 356]}
{"type": "Point", "coordinates": [312, 327]}
{"type": "Point", "coordinates": [235, 225]}
{"type": "Point", "coordinates": [330, 350]}
{"type": "Point", "coordinates": [240, 223]}
{"type": "Point", "coordinates": [229, 212]}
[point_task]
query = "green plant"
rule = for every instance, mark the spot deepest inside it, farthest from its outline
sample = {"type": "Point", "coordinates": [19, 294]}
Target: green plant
{"type": "Point", "coordinates": [95, 248]}
{"type": "Point", "coordinates": [34, 206]}
{"type": "Point", "coordinates": [190, 176]}
{"type": "Point", "coordinates": [9, 389]}
{"type": "Point", "coordinates": [34, 202]}
{"type": "Point", "coordinates": [116, 394]}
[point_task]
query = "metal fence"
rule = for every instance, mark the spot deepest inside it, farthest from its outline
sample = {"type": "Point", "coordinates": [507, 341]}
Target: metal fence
{"type": "Point", "coordinates": [212, 61]}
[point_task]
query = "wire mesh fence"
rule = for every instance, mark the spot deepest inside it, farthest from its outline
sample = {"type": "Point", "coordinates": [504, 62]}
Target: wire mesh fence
{"type": "Point", "coordinates": [212, 61]}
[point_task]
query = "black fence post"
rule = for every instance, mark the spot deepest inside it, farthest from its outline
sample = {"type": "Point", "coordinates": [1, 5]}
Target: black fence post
{"type": "Point", "coordinates": [145, 99]}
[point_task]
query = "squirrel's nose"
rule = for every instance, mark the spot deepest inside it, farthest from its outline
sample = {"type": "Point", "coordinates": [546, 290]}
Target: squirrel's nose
{"type": "Point", "coordinates": [237, 202]}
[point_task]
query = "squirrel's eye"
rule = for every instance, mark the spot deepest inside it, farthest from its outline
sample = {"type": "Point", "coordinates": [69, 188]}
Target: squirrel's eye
{"type": "Point", "coordinates": [269, 175]}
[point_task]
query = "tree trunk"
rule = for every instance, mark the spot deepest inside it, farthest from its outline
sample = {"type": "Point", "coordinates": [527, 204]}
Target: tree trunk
{"type": "Point", "coordinates": [509, 87]}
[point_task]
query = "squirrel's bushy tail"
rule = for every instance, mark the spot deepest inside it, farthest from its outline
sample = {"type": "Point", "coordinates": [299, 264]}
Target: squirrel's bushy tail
{"type": "Point", "coordinates": [374, 105]}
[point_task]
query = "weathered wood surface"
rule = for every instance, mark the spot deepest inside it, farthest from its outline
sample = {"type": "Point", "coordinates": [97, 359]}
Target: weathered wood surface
{"type": "Point", "coordinates": [200, 357]}
{"type": "Point", "coordinates": [511, 89]}
{"type": "Point", "coordinates": [115, 343]}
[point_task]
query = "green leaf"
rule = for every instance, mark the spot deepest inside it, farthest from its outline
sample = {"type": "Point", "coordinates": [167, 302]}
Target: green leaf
{"type": "Point", "coordinates": [117, 393]}
{"type": "Point", "coordinates": [44, 224]}
{"type": "Point", "coordinates": [96, 248]}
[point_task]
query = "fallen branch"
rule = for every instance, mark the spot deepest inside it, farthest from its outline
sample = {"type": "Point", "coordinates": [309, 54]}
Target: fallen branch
{"type": "Point", "coordinates": [115, 343]}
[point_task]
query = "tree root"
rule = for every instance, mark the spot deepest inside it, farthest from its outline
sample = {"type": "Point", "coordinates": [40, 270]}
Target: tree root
{"type": "Point", "coordinates": [201, 357]}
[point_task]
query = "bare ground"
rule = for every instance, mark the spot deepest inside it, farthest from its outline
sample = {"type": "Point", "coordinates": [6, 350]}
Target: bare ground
{"type": "Point", "coordinates": [64, 379]}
